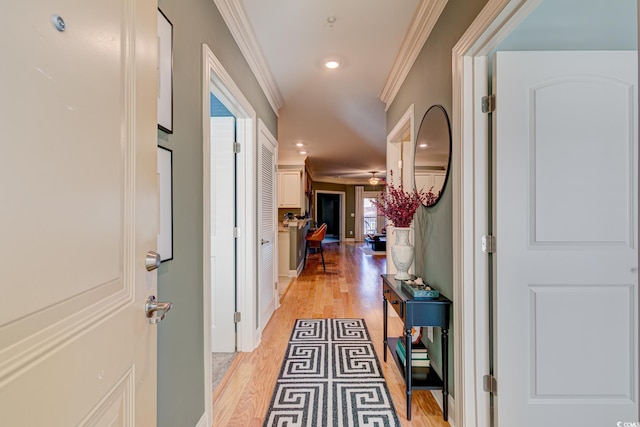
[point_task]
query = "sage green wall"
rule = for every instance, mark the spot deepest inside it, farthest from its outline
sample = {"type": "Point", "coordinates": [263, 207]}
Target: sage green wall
{"type": "Point", "coordinates": [350, 202]}
{"type": "Point", "coordinates": [297, 245]}
{"type": "Point", "coordinates": [180, 337]}
{"type": "Point", "coordinates": [430, 82]}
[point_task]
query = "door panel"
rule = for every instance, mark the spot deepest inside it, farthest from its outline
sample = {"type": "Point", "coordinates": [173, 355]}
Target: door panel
{"type": "Point", "coordinates": [566, 221]}
{"type": "Point", "coordinates": [223, 270]}
{"type": "Point", "coordinates": [79, 213]}
{"type": "Point", "coordinates": [268, 296]}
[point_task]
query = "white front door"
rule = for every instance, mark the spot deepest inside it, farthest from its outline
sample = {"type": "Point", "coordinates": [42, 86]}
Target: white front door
{"type": "Point", "coordinates": [267, 295]}
{"type": "Point", "coordinates": [566, 223]}
{"type": "Point", "coordinates": [78, 213]}
{"type": "Point", "coordinates": [223, 243]}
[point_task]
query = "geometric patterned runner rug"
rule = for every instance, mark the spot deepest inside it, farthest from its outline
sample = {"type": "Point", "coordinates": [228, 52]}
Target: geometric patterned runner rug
{"type": "Point", "coordinates": [331, 377]}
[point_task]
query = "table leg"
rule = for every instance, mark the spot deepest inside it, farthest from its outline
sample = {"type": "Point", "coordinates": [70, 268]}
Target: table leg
{"type": "Point", "coordinates": [384, 324]}
{"type": "Point", "coordinates": [407, 370]}
{"type": "Point", "coordinates": [445, 373]}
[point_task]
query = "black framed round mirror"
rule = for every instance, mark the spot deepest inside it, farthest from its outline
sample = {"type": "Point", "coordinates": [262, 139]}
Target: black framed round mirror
{"type": "Point", "coordinates": [432, 155]}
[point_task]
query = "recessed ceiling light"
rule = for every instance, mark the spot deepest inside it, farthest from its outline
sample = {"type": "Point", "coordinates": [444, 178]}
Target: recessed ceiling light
{"type": "Point", "coordinates": [423, 145]}
{"type": "Point", "coordinates": [303, 152]}
{"type": "Point", "coordinates": [299, 144]}
{"type": "Point", "coordinates": [332, 64]}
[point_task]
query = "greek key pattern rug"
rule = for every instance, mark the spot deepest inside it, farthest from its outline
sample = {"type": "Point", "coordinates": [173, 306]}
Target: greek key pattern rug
{"type": "Point", "coordinates": [331, 377]}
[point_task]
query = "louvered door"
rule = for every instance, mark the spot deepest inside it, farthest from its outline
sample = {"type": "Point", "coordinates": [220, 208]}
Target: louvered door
{"type": "Point", "coordinates": [267, 296]}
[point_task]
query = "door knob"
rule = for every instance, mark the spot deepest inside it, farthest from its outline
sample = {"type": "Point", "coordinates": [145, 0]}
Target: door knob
{"type": "Point", "coordinates": [152, 260]}
{"type": "Point", "coordinates": [262, 241]}
{"type": "Point", "coordinates": [155, 310]}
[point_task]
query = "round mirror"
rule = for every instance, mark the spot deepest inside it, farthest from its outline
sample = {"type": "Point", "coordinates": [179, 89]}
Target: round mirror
{"type": "Point", "coordinates": [432, 154]}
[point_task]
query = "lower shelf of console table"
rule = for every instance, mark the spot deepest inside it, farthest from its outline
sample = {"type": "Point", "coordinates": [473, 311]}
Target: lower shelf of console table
{"type": "Point", "coordinates": [418, 382]}
{"type": "Point", "coordinates": [433, 312]}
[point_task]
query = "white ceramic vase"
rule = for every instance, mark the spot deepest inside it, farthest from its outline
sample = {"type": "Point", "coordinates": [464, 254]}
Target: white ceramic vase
{"type": "Point", "coordinates": [402, 253]}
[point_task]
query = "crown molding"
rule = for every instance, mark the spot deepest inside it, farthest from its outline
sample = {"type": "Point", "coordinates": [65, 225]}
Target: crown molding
{"type": "Point", "coordinates": [423, 22]}
{"type": "Point", "coordinates": [236, 19]}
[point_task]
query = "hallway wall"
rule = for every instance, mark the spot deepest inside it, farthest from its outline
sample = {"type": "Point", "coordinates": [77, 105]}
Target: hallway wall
{"type": "Point", "coordinates": [180, 337]}
{"type": "Point", "coordinates": [430, 82]}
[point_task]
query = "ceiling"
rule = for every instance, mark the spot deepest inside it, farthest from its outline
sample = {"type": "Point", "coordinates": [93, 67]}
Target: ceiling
{"type": "Point", "coordinates": [338, 115]}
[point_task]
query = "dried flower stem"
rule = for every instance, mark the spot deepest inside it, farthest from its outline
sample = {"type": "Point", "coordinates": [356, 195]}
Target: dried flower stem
{"type": "Point", "coordinates": [399, 206]}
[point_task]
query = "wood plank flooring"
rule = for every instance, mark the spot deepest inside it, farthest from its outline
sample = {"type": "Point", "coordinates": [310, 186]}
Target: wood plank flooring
{"type": "Point", "coordinates": [351, 287]}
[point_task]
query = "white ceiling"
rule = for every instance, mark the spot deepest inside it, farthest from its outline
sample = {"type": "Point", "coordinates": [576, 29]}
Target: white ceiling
{"type": "Point", "coordinates": [337, 114]}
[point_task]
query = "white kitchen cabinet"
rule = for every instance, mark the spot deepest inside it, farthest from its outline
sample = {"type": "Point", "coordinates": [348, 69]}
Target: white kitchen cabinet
{"type": "Point", "coordinates": [290, 189]}
{"type": "Point", "coordinates": [425, 180]}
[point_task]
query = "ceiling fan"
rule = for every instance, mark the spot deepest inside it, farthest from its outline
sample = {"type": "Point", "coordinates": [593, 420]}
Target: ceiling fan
{"type": "Point", "coordinates": [359, 177]}
{"type": "Point", "coordinates": [374, 180]}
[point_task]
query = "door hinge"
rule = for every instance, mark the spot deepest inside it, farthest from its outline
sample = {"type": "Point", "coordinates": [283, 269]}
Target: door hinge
{"type": "Point", "coordinates": [236, 232]}
{"type": "Point", "coordinates": [488, 244]}
{"type": "Point", "coordinates": [236, 147]}
{"type": "Point", "coordinates": [490, 384]}
{"type": "Point", "coordinates": [488, 103]}
{"type": "Point", "coordinates": [236, 317]}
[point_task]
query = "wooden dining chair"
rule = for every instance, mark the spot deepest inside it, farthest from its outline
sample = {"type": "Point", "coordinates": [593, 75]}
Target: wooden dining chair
{"type": "Point", "coordinates": [314, 240]}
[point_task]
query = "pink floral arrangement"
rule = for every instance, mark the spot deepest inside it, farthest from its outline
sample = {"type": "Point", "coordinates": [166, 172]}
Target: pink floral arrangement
{"type": "Point", "coordinates": [399, 206]}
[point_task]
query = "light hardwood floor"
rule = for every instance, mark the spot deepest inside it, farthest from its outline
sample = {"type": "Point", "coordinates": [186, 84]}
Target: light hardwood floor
{"type": "Point", "coordinates": [351, 287]}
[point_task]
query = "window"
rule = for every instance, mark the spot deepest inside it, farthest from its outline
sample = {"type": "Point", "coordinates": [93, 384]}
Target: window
{"type": "Point", "coordinates": [370, 225]}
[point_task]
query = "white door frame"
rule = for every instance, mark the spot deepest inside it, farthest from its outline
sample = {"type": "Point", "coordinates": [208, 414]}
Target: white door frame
{"type": "Point", "coordinates": [342, 209]}
{"type": "Point", "coordinates": [470, 195]}
{"type": "Point", "coordinates": [399, 146]}
{"type": "Point", "coordinates": [215, 76]}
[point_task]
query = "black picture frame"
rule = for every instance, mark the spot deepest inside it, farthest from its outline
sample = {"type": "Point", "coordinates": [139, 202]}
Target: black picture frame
{"type": "Point", "coordinates": [165, 73]}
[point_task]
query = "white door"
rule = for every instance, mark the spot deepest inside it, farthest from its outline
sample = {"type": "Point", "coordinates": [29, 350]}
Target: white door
{"type": "Point", "coordinates": [78, 213]}
{"type": "Point", "coordinates": [268, 294]}
{"type": "Point", "coordinates": [566, 222]}
{"type": "Point", "coordinates": [223, 268]}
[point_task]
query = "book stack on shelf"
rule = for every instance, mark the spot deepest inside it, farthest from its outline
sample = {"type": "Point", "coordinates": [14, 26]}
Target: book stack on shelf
{"type": "Point", "coordinates": [420, 362]}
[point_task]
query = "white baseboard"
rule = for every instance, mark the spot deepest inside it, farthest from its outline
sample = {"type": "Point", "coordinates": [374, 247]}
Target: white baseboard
{"type": "Point", "coordinates": [202, 422]}
{"type": "Point", "coordinates": [349, 240]}
{"type": "Point", "coordinates": [437, 394]}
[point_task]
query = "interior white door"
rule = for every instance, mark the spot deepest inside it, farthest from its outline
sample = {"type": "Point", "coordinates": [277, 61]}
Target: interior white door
{"type": "Point", "coordinates": [566, 318]}
{"type": "Point", "coordinates": [268, 295]}
{"type": "Point", "coordinates": [78, 213]}
{"type": "Point", "coordinates": [223, 267]}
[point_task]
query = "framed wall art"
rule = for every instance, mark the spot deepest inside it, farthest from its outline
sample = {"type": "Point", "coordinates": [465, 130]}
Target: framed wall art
{"type": "Point", "coordinates": [165, 73]}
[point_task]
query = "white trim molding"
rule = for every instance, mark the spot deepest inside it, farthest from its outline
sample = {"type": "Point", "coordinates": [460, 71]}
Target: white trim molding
{"type": "Point", "coordinates": [202, 422]}
{"type": "Point", "coordinates": [451, 419]}
{"type": "Point", "coordinates": [424, 20]}
{"type": "Point", "coordinates": [236, 19]}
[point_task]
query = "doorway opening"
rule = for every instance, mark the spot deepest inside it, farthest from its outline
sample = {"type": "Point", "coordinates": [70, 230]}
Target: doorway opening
{"type": "Point", "coordinates": [241, 263]}
{"type": "Point", "coordinates": [473, 215]}
{"type": "Point", "coordinates": [223, 220]}
{"type": "Point", "coordinates": [330, 209]}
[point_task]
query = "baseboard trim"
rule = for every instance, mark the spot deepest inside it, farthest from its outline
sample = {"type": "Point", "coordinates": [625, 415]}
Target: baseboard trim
{"type": "Point", "coordinates": [202, 422]}
{"type": "Point", "coordinates": [437, 394]}
{"type": "Point", "coordinates": [350, 239]}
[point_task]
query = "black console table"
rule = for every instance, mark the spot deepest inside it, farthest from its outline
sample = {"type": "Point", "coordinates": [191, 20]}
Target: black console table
{"type": "Point", "coordinates": [432, 312]}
